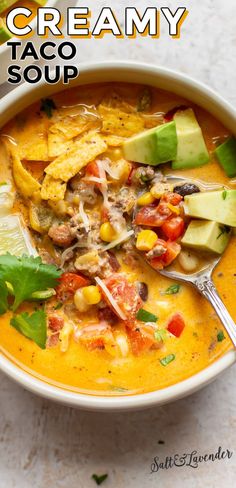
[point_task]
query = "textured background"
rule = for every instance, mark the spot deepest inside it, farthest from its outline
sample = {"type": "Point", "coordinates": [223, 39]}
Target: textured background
{"type": "Point", "coordinates": [42, 444]}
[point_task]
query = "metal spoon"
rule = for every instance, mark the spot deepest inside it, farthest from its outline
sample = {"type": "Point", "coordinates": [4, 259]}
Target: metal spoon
{"type": "Point", "coordinates": [202, 280]}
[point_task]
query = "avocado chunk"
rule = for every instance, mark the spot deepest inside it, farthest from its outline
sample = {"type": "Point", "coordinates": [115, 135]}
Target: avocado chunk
{"type": "Point", "coordinates": [226, 155]}
{"type": "Point", "coordinates": [204, 235]}
{"type": "Point", "coordinates": [192, 151]}
{"type": "Point", "coordinates": [219, 206]}
{"type": "Point", "coordinates": [5, 34]}
{"type": "Point", "coordinates": [154, 146]}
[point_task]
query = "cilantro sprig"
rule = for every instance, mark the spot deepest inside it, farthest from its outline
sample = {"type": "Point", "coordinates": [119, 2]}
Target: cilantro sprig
{"type": "Point", "coordinates": [25, 279]}
{"type": "Point", "coordinates": [26, 275]}
{"type": "Point", "coordinates": [32, 326]}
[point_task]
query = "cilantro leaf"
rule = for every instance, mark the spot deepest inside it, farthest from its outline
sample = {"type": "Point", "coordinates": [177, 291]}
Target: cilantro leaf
{"type": "Point", "coordinates": [27, 275]}
{"type": "Point", "coordinates": [99, 479]}
{"type": "Point", "coordinates": [145, 316]}
{"type": "Point", "coordinates": [47, 106]}
{"type": "Point", "coordinates": [220, 336]}
{"type": "Point", "coordinates": [3, 298]}
{"type": "Point", "coordinates": [172, 290]}
{"type": "Point", "coordinates": [32, 326]}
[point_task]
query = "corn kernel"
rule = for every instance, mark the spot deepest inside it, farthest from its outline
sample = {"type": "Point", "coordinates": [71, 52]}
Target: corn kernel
{"type": "Point", "coordinates": [146, 199]}
{"type": "Point", "coordinates": [159, 189]}
{"type": "Point", "coordinates": [146, 240]}
{"type": "Point", "coordinates": [80, 301]}
{"type": "Point", "coordinates": [175, 210]}
{"type": "Point", "coordinates": [107, 233]}
{"type": "Point", "coordinates": [92, 294]}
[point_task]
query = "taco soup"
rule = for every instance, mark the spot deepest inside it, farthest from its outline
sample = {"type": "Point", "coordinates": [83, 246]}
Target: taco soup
{"type": "Point", "coordinates": [89, 213]}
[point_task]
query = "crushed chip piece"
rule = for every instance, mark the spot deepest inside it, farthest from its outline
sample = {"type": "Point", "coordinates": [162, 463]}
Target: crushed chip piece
{"type": "Point", "coordinates": [114, 141]}
{"type": "Point", "coordinates": [57, 144]}
{"type": "Point", "coordinates": [81, 153]}
{"type": "Point", "coordinates": [30, 134]}
{"type": "Point", "coordinates": [26, 184]}
{"type": "Point", "coordinates": [53, 189]}
{"type": "Point", "coordinates": [120, 123]}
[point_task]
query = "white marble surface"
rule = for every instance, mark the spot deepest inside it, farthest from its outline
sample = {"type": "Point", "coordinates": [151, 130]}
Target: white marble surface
{"type": "Point", "coordinates": [43, 444]}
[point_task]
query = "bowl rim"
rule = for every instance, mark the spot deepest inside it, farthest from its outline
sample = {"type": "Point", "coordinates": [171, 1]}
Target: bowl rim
{"type": "Point", "coordinates": [112, 70]}
{"type": "Point", "coordinates": [4, 47]}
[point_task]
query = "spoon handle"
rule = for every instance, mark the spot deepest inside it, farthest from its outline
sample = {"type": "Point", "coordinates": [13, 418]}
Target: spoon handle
{"type": "Point", "coordinates": [209, 291]}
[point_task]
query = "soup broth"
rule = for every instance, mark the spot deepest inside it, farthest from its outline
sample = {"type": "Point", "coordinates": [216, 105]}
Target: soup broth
{"type": "Point", "coordinates": [93, 344]}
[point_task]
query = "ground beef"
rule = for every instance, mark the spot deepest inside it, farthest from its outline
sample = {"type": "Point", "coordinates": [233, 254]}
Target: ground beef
{"type": "Point", "coordinates": [61, 235]}
{"type": "Point", "coordinates": [157, 251]}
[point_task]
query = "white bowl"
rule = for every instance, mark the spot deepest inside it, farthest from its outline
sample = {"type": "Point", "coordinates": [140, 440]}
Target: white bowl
{"type": "Point", "coordinates": [182, 85]}
{"type": "Point", "coordinates": [5, 51]}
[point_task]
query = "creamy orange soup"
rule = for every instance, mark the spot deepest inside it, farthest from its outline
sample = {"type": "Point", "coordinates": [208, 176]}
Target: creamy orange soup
{"type": "Point", "coordinates": [94, 347]}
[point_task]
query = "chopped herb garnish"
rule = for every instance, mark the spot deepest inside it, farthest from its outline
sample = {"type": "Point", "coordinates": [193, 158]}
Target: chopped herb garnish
{"type": "Point", "coordinates": [145, 100]}
{"type": "Point", "coordinates": [99, 479]}
{"type": "Point", "coordinates": [146, 316]}
{"type": "Point", "coordinates": [172, 290]}
{"type": "Point", "coordinates": [224, 194]}
{"type": "Point", "coordinates": [58, 306]}
{"type": "Point", "coordinates": [119, 389]}
{"type": "Point", "coordinates": [47, 106]}
{"type": "Point", "coordinates": [32, 326]}
{"type": "Point", "coordinates": [160, 335]}
{"type": "Point", "coordinates": [220, 336]}
{"type": "Point", "coordinates": [167, 360]}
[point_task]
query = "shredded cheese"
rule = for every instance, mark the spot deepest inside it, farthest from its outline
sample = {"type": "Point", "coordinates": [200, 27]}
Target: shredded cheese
{"type": "Point", "coordinates": [111, 300]}
{"type": "Point", "coordinates": [84, 216]}
{"type": "Point", "coordinates": [122, 238]}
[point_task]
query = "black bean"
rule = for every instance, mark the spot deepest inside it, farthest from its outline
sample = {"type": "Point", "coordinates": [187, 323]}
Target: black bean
{"type": "Point", "coordinates": [186, 189]}
{"type": "Point", "coordinates": [142, 289]}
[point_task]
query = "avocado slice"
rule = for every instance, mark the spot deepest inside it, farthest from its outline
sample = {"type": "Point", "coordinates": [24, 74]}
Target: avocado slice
{"type": "Point", "coordinates": [204, 235]}
{"type": "Point", "coordinates": [192, 151]}
{"type": "Point", "coordinates": [154, 146]}
{"type": "Point", "coordinates": [219, 206]}
{"type": "Point", "coordinates": [5, 34]}
{"type": "Point", "coordinates": [226, 155]}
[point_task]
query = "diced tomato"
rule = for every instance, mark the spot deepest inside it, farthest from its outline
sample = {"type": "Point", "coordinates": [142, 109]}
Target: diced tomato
{"type": "Point", "coordinates": [93, 169]}
{"type": "Point", "coordinates": [125, 295]}
{"type": "Point", "coordinates": [69, 283]}
{"type": "Point", "coordinates": [55, 322]}
{"type": "Point", "coordinates": [173, 198]}
{"type": "Point", "coordinates": [176, 325]}
{"type": "Point", "coordinates": [131, 174]}
{"type": "Point", "coordinates": [141, 338]}
{"type": "Point", "coordinates": [97, 338]}
{"type": "Point", "coordinates": [173, 228]}
{"type": "Point", "coordinates": [153, 216]}
{"type": "Point", "coordinates": [170, 115]}
{"type": "Point", "coordinates": [172, 251]}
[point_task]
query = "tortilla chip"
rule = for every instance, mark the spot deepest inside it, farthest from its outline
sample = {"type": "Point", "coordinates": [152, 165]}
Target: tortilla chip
{"type": "Point", "coordinates": [30, 135]}
{"type": "Point", "coordinates": [57, 145]}
{"type": "Point", "coordinates": [81, 153]}
{"type": "Point", "coordinates": [120, 123]}
{"type": "Point", "coordinates": [26, 184]}
{"type": "Point", "coordinates": [53, 189]}
{"type": "Point", "coordinates": [114, 141]}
